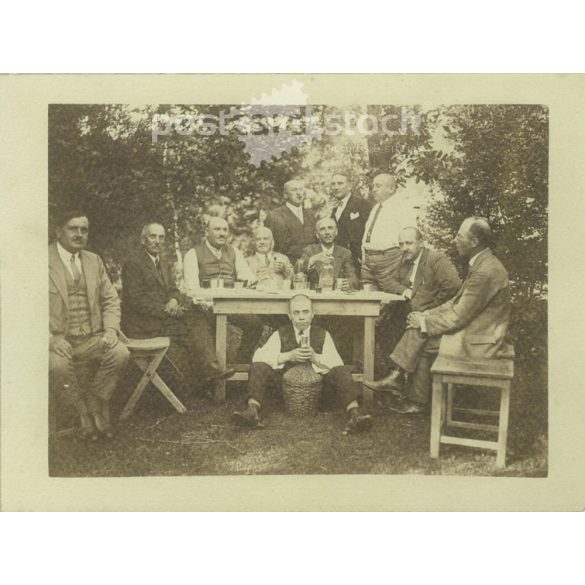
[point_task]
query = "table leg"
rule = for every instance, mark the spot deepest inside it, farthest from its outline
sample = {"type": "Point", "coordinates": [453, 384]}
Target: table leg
{"type": "Point", "coordinates": [221, 352]}
{"type": "Point", "coordinates": [369, 346]}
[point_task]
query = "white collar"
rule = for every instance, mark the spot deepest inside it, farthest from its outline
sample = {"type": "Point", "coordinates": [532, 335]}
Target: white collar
{"type": "Point", "coordinates": [473, 259]}
{"type": "Point", "coordinates": [325, 249]}
{"type": "Point", "coordinates": [343, 202]}
{"type": "Point", "coordinates": [297, 210]}
{"type": "Point", "coordinates": [307, 331]}
{"type": "Point", "coordinates": [153, 258]}
{"type": "Point", "coordinates": [215, 251]}
{"type": "Point", "coordinates": [65, 255]}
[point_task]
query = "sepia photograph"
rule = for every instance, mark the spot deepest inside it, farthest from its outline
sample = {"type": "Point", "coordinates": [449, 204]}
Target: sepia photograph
{"type": "Point", "coordinates": [290, 287]}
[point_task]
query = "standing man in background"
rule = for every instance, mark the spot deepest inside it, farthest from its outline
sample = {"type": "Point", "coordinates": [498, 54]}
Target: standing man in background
{"type": "Point", "coordinates": [351, 214]}
{"type": "Point", "coordinates": [292, 226]}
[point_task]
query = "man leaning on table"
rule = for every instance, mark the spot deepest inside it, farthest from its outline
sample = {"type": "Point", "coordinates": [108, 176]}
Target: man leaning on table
{"type": "Point", "coordinates": [284, 350]}
{"type": "Point", "coordinates": [213, 259]}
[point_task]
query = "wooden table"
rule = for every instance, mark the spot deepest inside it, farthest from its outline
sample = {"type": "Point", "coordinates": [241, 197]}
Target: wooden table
{"type": "Point", "coordinates": [250, 302]}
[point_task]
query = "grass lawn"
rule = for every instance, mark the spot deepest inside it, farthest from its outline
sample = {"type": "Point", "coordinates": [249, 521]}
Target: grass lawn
{"type": "Point", "coordinates": [157, 441]}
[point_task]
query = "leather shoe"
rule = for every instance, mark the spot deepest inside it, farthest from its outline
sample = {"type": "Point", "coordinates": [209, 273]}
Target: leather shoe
{"type": "Point", "coordinates": [393, 382]}
{"type": "Point", "coordinates": [408, 407]}
{"type": "Point", "coordinates": [247, 418]}
{"type": "Point", "coordinates": [358, 422]}
{"type": "Point", "coordinates": [217, 374]}
{"type": "Point", "coordinates": [104, 428]}
{"type": "Point", "coordinates": [87, 430]}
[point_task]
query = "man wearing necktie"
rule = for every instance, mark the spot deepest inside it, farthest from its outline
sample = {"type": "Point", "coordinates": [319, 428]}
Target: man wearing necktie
{"type": "Point", "coordinates": [267, 265]}
{"type": "Point", "coordinates": [471, 325]}
{"type": "Point", "coordinates": [154, 307]}
{"type": "Point", "coordinates": [392, 212]}
{"type": "Point", "coordinates": [84, 321]}
{"type": "Point", "coordinates": [292, 226]}
{"type": "Point", "coordinates": [301, 342]}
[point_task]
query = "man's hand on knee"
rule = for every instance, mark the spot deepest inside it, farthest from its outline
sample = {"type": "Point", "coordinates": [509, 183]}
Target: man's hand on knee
{"type": "Point", "coordinates": [61, 347]}
{"type": "Point", "coordinates": [109, 339]}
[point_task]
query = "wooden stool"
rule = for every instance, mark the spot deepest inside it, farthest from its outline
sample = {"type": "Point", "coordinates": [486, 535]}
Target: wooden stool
{"type": "Point", "coordinates": [492, 373]}
{"type": "Point", "coordinates": [148, 355]}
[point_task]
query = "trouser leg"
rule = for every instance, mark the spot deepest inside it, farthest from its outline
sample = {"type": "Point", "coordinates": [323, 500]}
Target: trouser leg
{"type": "Point", "coordinates": [62, 379]}
{"type": "Point", "coordinates": [260, 377]}
{"type": "Point", "coordinates": [419, 384]}
{"type": "Point", "coordinates": [252, 328]}
{"type": "Point", "coordinates": [111, 363]}
{"type": "Point", "coordinates": [407, 352]}
{"type": "Point", "coordinates": [340, 379]}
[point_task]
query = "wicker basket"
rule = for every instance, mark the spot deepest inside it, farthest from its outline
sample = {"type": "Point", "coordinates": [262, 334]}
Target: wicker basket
{"type": "Point", "coordinates": [301, 388]}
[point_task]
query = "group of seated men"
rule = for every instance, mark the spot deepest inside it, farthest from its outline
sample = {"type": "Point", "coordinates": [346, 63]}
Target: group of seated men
{"type": "Point", "coordinates": [382, 245]}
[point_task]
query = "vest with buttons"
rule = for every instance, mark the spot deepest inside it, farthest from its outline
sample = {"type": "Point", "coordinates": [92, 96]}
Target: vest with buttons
{"type": "Point", "coordinates": [79, 311]}
{"type": "Point", "coordinates": [212, 267]}
{"type": "Point", "coordinates": [288, 340]}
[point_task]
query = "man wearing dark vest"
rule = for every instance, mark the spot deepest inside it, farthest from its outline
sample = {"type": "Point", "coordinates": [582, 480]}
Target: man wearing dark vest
{"type": "Point", "coordinates": [214, 258]}
{"type": "Point", "coordinates": [84, 321]}
{"type": "Point", "coordinates": [153, 306]}
{"type": "Point", "coordinates": [287, 347]}
{"type": "Point", "coordinates": [292, 227]}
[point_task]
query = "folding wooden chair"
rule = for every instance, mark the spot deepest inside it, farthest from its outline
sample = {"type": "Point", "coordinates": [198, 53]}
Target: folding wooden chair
{"type": "Point", "coordinates": [148, 354]}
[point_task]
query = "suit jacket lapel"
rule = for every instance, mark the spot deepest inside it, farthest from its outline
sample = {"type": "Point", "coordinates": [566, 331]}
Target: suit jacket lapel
{"type": "Point", "coordinates": [150, 265]}
{"type": "Point", "coordinates": [57, 273]}
{"type": "Point", "coordinates": [336, 261]}
{"type": "Point", "coordinates": [418, 277]}
{"type": "Point", "coordinates": [91, 277]}
{"type": "Point", "coordinates": [291, 214]}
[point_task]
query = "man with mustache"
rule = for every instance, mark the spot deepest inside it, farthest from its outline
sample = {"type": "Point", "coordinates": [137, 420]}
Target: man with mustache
{"type": "Point", "coordinates": [213, 259]}
{"type": "Point", "coordinates": [84, 321]}
{"type": "Point", "coordinates": [153, 307]}
{"type": "Point", "coordinates": [471, 325]}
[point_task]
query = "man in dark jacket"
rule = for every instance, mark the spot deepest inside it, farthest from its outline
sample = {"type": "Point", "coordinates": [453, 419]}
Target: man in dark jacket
{"type": "Point", "coordinates": [152, 306]}
{"type": "Point", "coordinates": [292, 227]}
{"type": "Point", "coordinates": [471, 325]}
{"type": "Point", "coordinates": [426, 279]}
{"type": "Point", "coordinates": [351, 214]}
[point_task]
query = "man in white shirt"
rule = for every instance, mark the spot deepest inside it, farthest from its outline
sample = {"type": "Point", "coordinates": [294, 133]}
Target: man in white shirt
{"type": "Point", "coordinates": [300, 342]}
{"type": "Point", "coordinates": [214, 258]}
{"type": "Point", "coordinates": [392, 212]}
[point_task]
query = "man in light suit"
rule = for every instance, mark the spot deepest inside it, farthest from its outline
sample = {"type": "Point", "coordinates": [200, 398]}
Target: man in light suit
{"type": "Point", "coordinates": [84, 321]}
{"type": "Point", "coordinates": [267, 265]}
{"type": "Point", "coordinates": [292, 226]}
{"type": "Point", "coordinates": [351, 214]}
{"type": "Point", "coordinates": [472, 325]}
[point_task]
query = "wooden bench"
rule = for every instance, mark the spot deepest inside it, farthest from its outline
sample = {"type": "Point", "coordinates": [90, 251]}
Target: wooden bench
{"type": "Point", "coordinates": [447, 372]}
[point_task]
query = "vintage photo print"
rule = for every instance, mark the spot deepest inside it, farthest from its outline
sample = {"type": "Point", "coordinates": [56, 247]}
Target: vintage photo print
{"type": "Point", "coordinates": [329, 292]}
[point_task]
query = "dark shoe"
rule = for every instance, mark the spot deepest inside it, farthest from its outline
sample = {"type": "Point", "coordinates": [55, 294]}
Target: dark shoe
{"type": "Point", "coordinates": [216, 374]}
{"type": "Point", "coordinates": [104, 428]}
{"type": "Point", "coordinates": [247, 418]}
{"type": "Point", "coordinates": [358, 422]}
{"type": "Point", "coordinates": [393, 382]}
{"type": "Point", "coordinates": [87, 430]}
{"type": "Point", "coordinates": [408, 407]}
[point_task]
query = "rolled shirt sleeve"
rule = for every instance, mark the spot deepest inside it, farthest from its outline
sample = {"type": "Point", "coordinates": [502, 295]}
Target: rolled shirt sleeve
{"type": "Point", "coordinates": [191, 271]}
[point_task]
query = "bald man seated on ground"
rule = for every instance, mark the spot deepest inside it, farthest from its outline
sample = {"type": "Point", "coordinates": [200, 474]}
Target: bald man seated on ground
{"type": "Point", "coordinates": [285, 349]}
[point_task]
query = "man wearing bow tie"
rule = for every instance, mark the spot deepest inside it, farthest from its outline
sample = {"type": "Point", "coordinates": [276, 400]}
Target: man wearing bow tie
{"type": "Point", "coordinates": [351, 214]}
{"type": "Point", "coordinates": [471, 325]}
{"type": "Point", "coordinates": [84, 321]}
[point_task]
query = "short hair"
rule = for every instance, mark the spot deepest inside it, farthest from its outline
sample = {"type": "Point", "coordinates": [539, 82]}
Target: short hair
{"type": "Point", "coordinates": [144, 231]}
{"type": "Point", "coordinates": [480, 228]}
{"type": "Point", "coordinates": [324, 218]}
{"type": "Point", "coordinates": [418, 234]}
{"type": "Point", "coordinates": [293, 180]}
{"type": "Point", "coordinates": [215, 218]}
{"type": "Point", "coordinates": [342, 174]}
{"type": "Point", "coordinates": [67, 215]}
{"type": "Point", "coordinates": [298, 296]}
